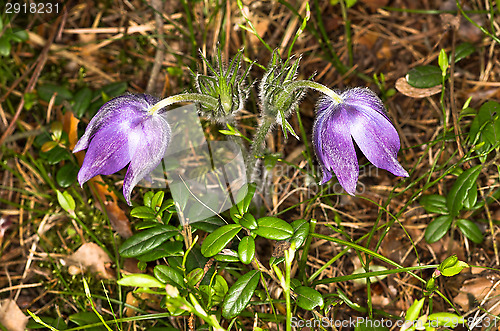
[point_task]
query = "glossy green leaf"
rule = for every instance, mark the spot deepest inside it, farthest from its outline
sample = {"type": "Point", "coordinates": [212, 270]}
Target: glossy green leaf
{"type": "Point", "coordinates": [273, 228]}
{"type": "Point", "coordinates": [245, 196]}
{"type": "Point", "coordinates": [66, 201]}
{"type": "Point", "coordinates": [434, 204]}
{"type": "Point", "coordinates": [486, 125]}
{"type": "Point", "coordinates": [66, 175]}
{"type": "Point", "coordinates": [194, 276]}
{"type": "Point", "coordinates": [300, 232]}
{"type": "Point", "coordinates": [157, 200]}
{"type": "Point", "coordinates": [437, 228]}
{"type": "Point", "coordinates": [208, 224]}
{"type": "Point", "coordinates": [148, 196]}
{"type": "Point", "coordinates": [46, 91]}
{"type": "Point", "coordinates": [414, 311]}
{"type": "Point", "coordinates": [224, 257]}
{"type": "Point", "coordinates": [167, 249]}
{"type": "Point", "coordinates": [143, 212]}
{"type": "Point", "coordinates": [140, 280]}
{"type": "Point", "coordinates": [56, 155]}
{"type": "Point", "coordinates": [218, 239]}
{"type": "Point", "coordinates": [239, 294]}
{"type": "Point", "coordinates": [147, 240]}
{"type": "Point", "coordinates": [462, 51]}
{"type": "Point", "coordinates": [248, 221]}
{"type": "Point", "coordinates": [308, 298]}
{"type": "Point", "coordinates": [246, 249]}
{"type": "Point", "coordinates": [461, 189]}
{"type": "Point", "coordinates": [81, 101]}
{"type": "Point", "coordinates": [424, 76]}
{"type": "Point", "coordinates": [470, 230]}
{"type": "Point", "coordinates": [169, 275]}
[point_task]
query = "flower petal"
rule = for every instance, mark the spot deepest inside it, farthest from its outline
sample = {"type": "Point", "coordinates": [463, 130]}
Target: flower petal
{"type": "Point", "coordinates": [377, 138]}
{"type": "Point", "coordinates": [110, 150]}
{"type": "Point", "coordinates": [153, 136]}
{"type": "Point", "coordinates": [334, 145]}
{"type": "Point", "coordinates": [117, 110]}
{"type": "Point", "coordinates": [364, 100]}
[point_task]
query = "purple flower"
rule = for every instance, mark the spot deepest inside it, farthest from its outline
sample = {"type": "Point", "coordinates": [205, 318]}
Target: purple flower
{"type": "Point", "coordinates": [360, 116]}
{"type": "Point", "coordinates": [123, 132]}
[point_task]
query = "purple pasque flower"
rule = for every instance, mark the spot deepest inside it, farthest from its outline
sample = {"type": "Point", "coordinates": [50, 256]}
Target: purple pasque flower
{"type": "Point", "coordinates": [360, 116]}
{"type": "Point", "coordinates": [123, 131]}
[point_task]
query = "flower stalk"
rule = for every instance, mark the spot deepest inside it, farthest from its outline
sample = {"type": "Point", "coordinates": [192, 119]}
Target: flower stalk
{"type": "Point", "coordinates": [205, 100]}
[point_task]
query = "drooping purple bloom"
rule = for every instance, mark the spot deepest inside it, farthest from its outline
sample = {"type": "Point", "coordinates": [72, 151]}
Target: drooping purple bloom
{"type": "Point", "coordinates": [122, 132]}
{"type": "Point", "coordinates": [360, 116]}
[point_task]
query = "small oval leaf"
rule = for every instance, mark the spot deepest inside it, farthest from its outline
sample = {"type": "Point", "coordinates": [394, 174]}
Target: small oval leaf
{"type": "Point", "coordinates": [273, 228]}
{"type": "Point", "coordinates": [308, 298]}
{"type": "Point", "coordinates": [169, 275]}
{"type": "Point", "coordinates": [424, 76]}
{"type": "Point", "coordinates": [147, 240]}
{"type": "Point", "coordinates": [470, 230]}
{"type": "Point", "coordinates": [246, 249]}
{"type": "Point", "coordinates": [239, 294]}
{"type": "Point", "coordinates": [437, 228]}
{"type": "Point", "coordinates": [218, 239]}
{"type": "Point", "coordinates": [140, 280]}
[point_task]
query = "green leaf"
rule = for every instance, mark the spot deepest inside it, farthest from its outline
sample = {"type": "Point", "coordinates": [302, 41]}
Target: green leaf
{"type": "Point", "coordinates": [66, 201]}
{"type": "Point", "coordinates": [114, 89]}
{"type": "Point", "coordinates": [300, 232]}
{"type": "Point", "coordinates": [246, 249]}
{"type": "Point", "coordinates": [208, 224]}
{"type": "Point", "coordinates": [218, 239]}
{"type": "Point", "coordinates": [147, 240]}
{"type": "Point", "coordinates": [46, 91]}
{"type": "Point", "coordinates": [424, 76]}
{"type": "Point", "coordinates": [445, 320]}
{"type": "Point", "coordinates": [308, 298]}
{"type": "Point", "coordinates": [18, 35]}
{"type": "Point", "coordinates": [169, 275]}
{"type": "Point", "coordinates": [157, 200]}
{"type": "Point", "coordinates": [470, 230]}
{"type": "Point", "coordinates": [167, 249]}
{"type": "Point", "coordinates": [437, 228]}
{"type": "Point", "coordinates": [245, 196]}
{"type": "Point", "coordinates": [434, 204]}
{"type": "Point", "coordinates": [4, 46]}
{"type": "Point", "coordinates": [56, 155]}
{"type": "Point", "coordinates": [248, 221]}
{"type": "Point", "coordinates": [194, 276]}
{"type": "Point", "coordinates": [66, 175]}
{"type": "Point", "coordinates": [81, 101]}
{"type": "Point", "coordinates": [463, 50]}
{"type": "Point", "coordinates": [147, 198]}
{"type": "Point", "coordinates": [240, 294]}
{"type": "Point", "coordinates": [140, 280]}
{"type": "Point", "coordinates": [486, 125]}
{"type": "Point", "coordinates": [414, 311]}
{"type": "Point", "coordinates": [461, 189]}
{"type": "Point", "coordinates": [273, 228]}
{"type": "Point", "coordinates": [143, 212]}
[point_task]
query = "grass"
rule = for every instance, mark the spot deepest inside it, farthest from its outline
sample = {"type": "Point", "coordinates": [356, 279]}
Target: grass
{"type": "Point", "coordinates": [74, 63]}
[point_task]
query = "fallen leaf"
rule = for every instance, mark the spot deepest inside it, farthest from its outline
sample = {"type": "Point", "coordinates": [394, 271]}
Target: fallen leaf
{"type": "Point", "coordinates": [479, 289]}
{"type": "Point", "coordinates": [92, 257]}
{"type": "Point", "coordinates": [403, 87]}
{"type": "Point", "coordinates": [11, 316]}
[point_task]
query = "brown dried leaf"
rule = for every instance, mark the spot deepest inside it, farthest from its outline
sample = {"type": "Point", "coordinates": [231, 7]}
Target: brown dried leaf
{"type": "Point", "coordinates": [11, 316]}
{"type": "Point", "coordinates": [403, 87]}
{"type": "Point", "coordinates": [479, 288]}
{"type": "Point", "coordinates": [91, 256]}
